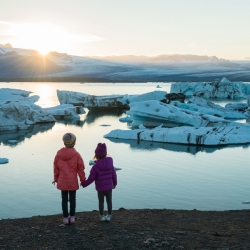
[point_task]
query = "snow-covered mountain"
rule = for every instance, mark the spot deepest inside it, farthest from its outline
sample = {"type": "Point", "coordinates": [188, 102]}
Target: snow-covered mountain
{"type": "Point", "coordinates": [30, 65]}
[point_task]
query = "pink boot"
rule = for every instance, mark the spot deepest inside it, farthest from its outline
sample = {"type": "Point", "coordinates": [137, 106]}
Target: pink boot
{"type": "Point", "coordinates": [72, 219]}
{"type": "Point", "coordinates": [65, 220]}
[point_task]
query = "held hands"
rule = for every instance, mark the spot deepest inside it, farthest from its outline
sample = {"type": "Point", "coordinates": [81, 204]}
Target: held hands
{"type": "Point", "coordinates": [114, 187]}
{"type": "Point", "coordinates": [53, 182]}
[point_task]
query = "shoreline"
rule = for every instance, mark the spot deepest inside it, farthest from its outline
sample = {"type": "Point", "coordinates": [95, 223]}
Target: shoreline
{"type": "Point", "coordinates": [131, 229]}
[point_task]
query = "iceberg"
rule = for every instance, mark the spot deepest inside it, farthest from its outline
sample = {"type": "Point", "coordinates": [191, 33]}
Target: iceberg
{"type": "Point", "coordinates": [7, 94]}
{"type": "Point", "coordinates": [65, 110]}
{"type": "Point", "coordinates": [3, 160]}
{"type": "Point", "coordinates": [152, 111]}
{"type": "Point", "coordinates": [223, 88]}
{"type": "Point", "coordinates": [93, 102]}
{"type": "Point", "coordinates": [230, 111]}
{"type": "Point", "coordinates": [18, 115]}
{"type": "Point", "coordinates": [187, 135]}
{"type": "Point", "coordinates": [126, 119]}
{"type": "Point", "coordinates": [18, 111]}
{"type": "Point", "coordinates": [238, 106]}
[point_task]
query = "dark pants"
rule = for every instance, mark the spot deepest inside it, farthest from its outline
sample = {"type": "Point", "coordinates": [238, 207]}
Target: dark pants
{"type": "Point", "coordinates": [108, 195]}
{"type": "Point", "coordinates": [71, 197]}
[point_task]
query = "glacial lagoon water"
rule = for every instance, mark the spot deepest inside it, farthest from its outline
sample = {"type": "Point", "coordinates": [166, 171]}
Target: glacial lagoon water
{"type": "Point", "coordinates": [153, 175]}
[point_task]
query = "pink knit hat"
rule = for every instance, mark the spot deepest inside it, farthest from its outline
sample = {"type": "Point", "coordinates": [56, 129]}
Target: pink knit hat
{"type": "Point", "coordinates": [101, 150]}
{"type": "Point", "coordinates": [69, 140]}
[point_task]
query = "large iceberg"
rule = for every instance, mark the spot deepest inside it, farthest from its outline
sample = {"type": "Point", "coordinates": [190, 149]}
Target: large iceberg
{"type": "Point", "coordinates": [187, 135]}
{"type": "Point", "coordinates": [7, 94]}
{"type": "Point", "coordinates": [201, 105]}
{"type": "Point", "coordinates": [142, 112]}
{"type": "Point", "coordinates": [93, 102]}
{"type": "Point", "coordinates": [18, 115]}
{"type": "Point", "coordinates": [18, 111]}
{"type": "Point", "coordinates": [223, 88]}
{"type": "Point", "coordinates": [65, 110]}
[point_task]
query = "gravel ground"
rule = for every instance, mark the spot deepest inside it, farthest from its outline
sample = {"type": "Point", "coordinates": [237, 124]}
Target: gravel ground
{"type": "Point", "coordinates": [131, 229]}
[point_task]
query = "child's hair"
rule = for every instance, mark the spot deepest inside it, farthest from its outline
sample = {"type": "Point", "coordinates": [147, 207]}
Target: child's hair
{"type": "Point", "coordinates": [69, 140]}
{"type": "Point", "coordinates": [96, 157]}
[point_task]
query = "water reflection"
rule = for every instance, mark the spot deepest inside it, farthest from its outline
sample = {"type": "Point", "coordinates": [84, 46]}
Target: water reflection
{"type": "Point", "coordinates": [93, 115]}
{"type": "Point", "coordinates": [191, 149]}
{"type": "Point", "coordinates": [14, 139]}
{"type": "Point", "coordinates": [74, 122]}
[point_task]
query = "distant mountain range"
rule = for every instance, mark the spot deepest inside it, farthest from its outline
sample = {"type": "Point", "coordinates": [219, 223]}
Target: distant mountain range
{"type": "Point", "coordinates": [18, 64]}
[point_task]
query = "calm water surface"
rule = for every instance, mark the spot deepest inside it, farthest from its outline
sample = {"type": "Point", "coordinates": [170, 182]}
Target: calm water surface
{"type": "Point", "coordinates": [153, 175]}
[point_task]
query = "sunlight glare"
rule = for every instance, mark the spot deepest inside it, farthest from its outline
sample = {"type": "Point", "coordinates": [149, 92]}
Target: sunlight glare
{"type": "Point", "coordinates": [44, 37]}
{"type": "Point", "coordinates": [46, 93]}
{"type": "Point", "coordinates": [43, 51]}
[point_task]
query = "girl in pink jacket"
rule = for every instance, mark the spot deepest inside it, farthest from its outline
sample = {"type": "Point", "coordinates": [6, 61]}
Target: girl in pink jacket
{"type": "Point", "coordinates": [68, 163]}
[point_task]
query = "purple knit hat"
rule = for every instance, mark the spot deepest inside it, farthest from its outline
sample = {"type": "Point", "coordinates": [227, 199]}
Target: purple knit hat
{"type": "Point", "coordinates": [101, 150]}
{"type": "Point", "coordinates": [69, 140]}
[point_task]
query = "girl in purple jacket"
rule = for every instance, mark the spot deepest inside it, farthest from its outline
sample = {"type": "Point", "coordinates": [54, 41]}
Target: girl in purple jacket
{"type": "Point", "coordinates": [104, 175]}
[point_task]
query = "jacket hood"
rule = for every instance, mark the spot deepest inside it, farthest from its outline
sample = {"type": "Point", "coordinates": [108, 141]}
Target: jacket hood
{"type": "Point", "coordinates": [66, 154]}
{"type": "Point", "coordinates": [105, 163]}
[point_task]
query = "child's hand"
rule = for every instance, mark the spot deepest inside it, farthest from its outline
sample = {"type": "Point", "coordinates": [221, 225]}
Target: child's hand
{"type": "Point", "coordinates": [114, 187]}
{"type": "Point", "coordinates": [53, 182]}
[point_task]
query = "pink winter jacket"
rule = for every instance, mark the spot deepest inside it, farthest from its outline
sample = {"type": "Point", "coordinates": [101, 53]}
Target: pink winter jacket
{"type": "Point", "coordinates": [68, 163]}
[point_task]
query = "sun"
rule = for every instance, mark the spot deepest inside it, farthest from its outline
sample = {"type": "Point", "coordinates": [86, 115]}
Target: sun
{"type": "Point", "coordinates": [43, 51]}
{"type": "Point", "coordinates": [42, 37]}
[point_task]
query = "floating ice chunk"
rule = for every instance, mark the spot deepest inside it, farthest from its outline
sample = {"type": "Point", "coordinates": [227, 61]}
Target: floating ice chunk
{"type": "Point", "coordinates": [187, 135]}
{"type": "Point", "coordinates": [3, 160]}
{"type": "Point", "coordinates": [216, 89]}
{"type": "Point", "coordinates": [245, 202]}
{"type": "Point", "coordinates": [105, 125]}
{"type": "Point", "coordinates": [93, 102]}
{"type": "Point", "coordinates": [91, 162]}
{"type": "Point", "coordinates": [12, 141]}
{"type": "Point", "coordinates": [158, 111]}
{"type": "Point", "coordinates": [158, 86]}
{"type": "Point", "coordinates": [230, 111]}
{"type": "Point", "coordinates": [238, 106]}
{"type": "Point", "coordinates": [65, 110]}
{"type": "Point", "coordinates": [7, 94]}
{"type": "Point", "coordinates": [19, 115]}
{"type": "Point", "coordinates": [126, 119]}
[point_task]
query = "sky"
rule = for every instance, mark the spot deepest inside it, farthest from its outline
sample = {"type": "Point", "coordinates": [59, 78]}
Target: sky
{"type": "Point", "coordinates": [128, 27]}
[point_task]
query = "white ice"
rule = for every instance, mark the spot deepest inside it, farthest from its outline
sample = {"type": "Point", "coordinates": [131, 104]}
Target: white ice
{"type": "Point", "coordinates": [207, 107]}
{"type": "Point", "coordinates": [107, 101]}
{"type": "Point", "coordinates": [217, 89]}
{"type": "Point", "coordinates": [187, 135]}
{"type": "Point", "coordinates": [126, 119]}
{"type": "Point", "coordinates": [141, 112]}
{"type": "Point", "coordinates": [18, 110]}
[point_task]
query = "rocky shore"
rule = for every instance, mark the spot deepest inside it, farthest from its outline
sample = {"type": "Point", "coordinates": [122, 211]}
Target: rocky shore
{"type": "Point", "coordinates": [131, 229]}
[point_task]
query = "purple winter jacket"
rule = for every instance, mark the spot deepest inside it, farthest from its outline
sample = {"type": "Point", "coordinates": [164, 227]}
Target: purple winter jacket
{"type": "Point", "coordinates": [104, 175]}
